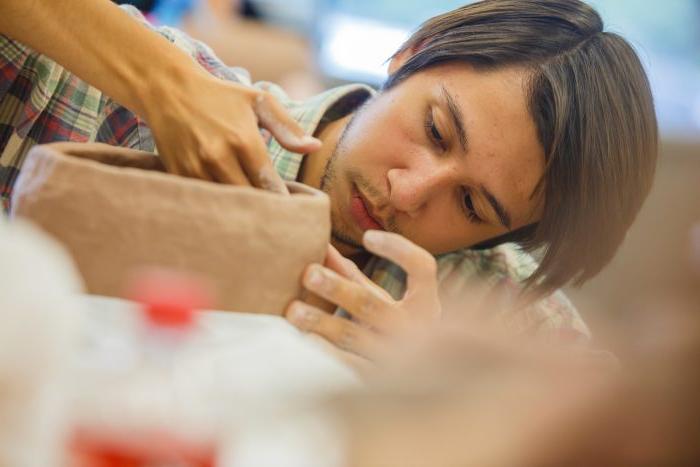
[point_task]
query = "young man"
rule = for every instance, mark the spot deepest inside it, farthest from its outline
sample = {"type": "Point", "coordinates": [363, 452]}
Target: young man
{"type": "Point", "coordinates": [502, 121]}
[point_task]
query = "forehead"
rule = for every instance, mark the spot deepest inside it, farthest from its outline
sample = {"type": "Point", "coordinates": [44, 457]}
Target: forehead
{"type": "Point", "coordinates": [502, 135]}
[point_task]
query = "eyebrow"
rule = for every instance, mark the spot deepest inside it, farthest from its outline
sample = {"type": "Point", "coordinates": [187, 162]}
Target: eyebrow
{"type": "Point", "coordinates": [457, 118]}
{"type": "Point", "coordinates": [501, 212]}
{"type": "Point", "coordinates": [458, 121]}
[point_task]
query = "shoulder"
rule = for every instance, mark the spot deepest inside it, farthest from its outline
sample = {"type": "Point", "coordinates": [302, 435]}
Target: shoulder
{"type": "Point", "coordinates": [199, 51]}
{"type": "Point", "coordinates": [506, 267]}
{"type": "Point", "coordinates": [506, 260]}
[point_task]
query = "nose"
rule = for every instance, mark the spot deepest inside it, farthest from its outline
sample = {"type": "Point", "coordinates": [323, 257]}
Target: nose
{"type": "Point", "coordinates": [411, 188]}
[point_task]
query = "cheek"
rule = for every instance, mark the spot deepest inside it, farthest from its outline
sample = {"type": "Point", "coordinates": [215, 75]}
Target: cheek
{"type": "Point", "coordinates": [441, 228]}
{"type": "Point", "coordinates": [382, 135]}
{"type": "Point", "coordinates": [437, 229]}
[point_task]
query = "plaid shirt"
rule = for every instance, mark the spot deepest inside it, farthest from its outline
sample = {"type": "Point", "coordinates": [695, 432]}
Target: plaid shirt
{"type": "Point", "coordinates": [41, 102]}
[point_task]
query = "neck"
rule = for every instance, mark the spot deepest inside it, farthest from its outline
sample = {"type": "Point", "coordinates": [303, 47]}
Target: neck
{"type": "Point", "coordinates": [349, 251]}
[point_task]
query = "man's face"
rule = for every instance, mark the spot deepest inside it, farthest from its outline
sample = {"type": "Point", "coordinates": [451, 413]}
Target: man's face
{"type": "Point", "coordinates": [448, 158]}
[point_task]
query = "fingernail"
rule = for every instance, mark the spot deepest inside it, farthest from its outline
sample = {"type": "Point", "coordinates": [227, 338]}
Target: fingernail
{"type": "Point", "coordinates": [372, 238]}
{"type": "Point", "coordinates": [310, 141]}
{"type": "Point", "coordinates": [314, 278]}
{"type": "Point", "coordinates": [297, 313]}
{"type": "Point", "coordinates": [302, 316]}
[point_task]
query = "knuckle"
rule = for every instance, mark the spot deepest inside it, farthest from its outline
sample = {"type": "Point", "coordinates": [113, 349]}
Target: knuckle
{"type": "Point", "coordinates": [211, 153]}
{"type": "Point", "coordinates": [347, 338]}
{"type": "Point", "coordinates": [367, 305]}
{"type": "Point", "coordinates": [265, 97]}
{"type": "Point", "coordinates": [248, 147]}
{"type": "Point", "coordinates": [206, 155]}
{"type": "Point", "coordinates": [262, 100]}
{"type": "Point", "coordinates": [236, 140]}
{"type": "Point", "coordinates": [250, 92]}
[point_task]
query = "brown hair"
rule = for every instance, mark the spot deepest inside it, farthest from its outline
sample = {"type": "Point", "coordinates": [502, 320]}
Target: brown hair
{"type": "Point", "coordinates": [591, 102]}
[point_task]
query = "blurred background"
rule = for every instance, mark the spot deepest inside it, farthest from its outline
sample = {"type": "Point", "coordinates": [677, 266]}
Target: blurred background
{"type": "Point", "coordinates": [350, 40]}
{"type": "Point", "coordinates": [309, 45]}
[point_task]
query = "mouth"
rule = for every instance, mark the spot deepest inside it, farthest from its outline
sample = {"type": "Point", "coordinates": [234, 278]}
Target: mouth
{"type": "Point", "coordinates": [360, 210]}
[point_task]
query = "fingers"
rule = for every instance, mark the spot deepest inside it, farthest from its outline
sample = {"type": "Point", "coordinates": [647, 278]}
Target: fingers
{"type": "Point", "coordinates": [339, 331]}
{"type": "Point", "coordinates": [195, 168]}
{"type": "Point", "coordinates": [361, 301]}
{"type": "Point", "coordinates": [343, 266]}
{"type": "Point", "coordinates": [275, 118]}
{"type": "Point", "coordinates": [346, 268]}
{"type": "Point", "coordinates": [242, 160]}
{"type": "Point", "coordinates": [256, 163]}
{"type": "Point", "coordinates": [420, 266]}
{"type": "Point", "coordinates": [237, 161]}
{"type": "Point", "coordinates": [225, 169]}
{"type": "Point", "coordinates": [224, 143]}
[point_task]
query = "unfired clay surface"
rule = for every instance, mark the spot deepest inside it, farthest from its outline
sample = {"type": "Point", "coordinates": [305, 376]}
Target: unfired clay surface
{"type": "Point", "coordinates": [115, 217]}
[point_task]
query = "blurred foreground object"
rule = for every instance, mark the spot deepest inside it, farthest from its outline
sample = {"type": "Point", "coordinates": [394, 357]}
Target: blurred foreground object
{"type": "Point", "coordinates": [269, 52]}
{"type": "Point", "coordinates": [115, 212]}
{"type": "Point", "coordinates": [467, 396]}
{"type": "Point", "coordinates": [38, 332]}
{"type": "Point", "coordinates": [133, 414]}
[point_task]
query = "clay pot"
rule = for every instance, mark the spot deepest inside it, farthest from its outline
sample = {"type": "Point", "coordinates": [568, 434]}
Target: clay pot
{"type": "Point", "coordinates": [116, 212]}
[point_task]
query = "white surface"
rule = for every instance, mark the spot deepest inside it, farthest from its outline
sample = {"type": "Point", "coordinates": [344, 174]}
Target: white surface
{"type": "Point", "coordinates": [245, 354]}
{"type": "Point", "coordinates": [243, 379]}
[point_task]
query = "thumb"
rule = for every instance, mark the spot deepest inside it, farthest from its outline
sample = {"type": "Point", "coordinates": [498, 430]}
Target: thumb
{"type": "Point", "coordinates": [274, 117]}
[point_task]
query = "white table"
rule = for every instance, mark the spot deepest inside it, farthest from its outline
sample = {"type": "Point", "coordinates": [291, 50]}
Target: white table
{"type": "Point", "coordinates": [264, 353]}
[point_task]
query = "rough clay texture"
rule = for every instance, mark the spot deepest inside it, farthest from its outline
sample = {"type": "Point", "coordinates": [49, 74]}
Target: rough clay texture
{"type": "Point", "coordinates": [115, 219]}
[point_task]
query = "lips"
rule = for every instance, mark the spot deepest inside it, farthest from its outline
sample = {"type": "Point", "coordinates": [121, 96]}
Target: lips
{"type": "Point", "coordinates": [360, 211]}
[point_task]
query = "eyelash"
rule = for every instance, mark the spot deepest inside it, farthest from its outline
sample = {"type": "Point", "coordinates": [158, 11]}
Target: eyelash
{"type": "Point", "coordinates": [434, 135]}
{"type": "Point", "coordinates": [468, 207]}
{"type": "Point", "coordinates": [432, 131]}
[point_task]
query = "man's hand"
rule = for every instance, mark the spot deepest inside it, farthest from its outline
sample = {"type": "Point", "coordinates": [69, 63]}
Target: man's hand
{"type": "Point", "coordinates": [376, 316]}
{"type": "Point", "coordinates": [209, 129]}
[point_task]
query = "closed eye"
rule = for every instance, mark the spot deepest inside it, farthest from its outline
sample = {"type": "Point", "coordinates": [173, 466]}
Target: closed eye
{"type": "Point", "coordinates": [468, 207]}
{"type": "Point", "coordinates": [432, 131]}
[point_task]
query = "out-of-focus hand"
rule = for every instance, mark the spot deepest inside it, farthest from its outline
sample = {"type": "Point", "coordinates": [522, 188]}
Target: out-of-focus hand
{"type": "Point", "coordinates": [376, 317]}
{"type": "Point", "coordinates": [208, 128]}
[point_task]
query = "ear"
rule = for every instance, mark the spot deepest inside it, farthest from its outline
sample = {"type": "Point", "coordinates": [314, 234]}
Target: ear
{"type": "Point", "coordinates": [402, 57]}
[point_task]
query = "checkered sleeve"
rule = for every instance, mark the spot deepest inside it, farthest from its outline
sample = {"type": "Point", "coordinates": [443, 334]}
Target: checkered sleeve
{"type": "Point", "coordinates": [503, 270]}
{"type": "Point", "coordinates": [198, 50]}
{"type": "Point", "coordinates": [13, 55]}
{"type": "Point", "coordinates": [38, 97]}
{"type": "Point", "coordinates": [118, 126]}
{"type": "Point", "coordinates": [40, 102]}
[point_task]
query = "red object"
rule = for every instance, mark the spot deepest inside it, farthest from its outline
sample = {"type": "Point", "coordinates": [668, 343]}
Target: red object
{"type": "Point", "coordinates": [145, 449]}
{"type": "Point", "coordinates": [169, 299]}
